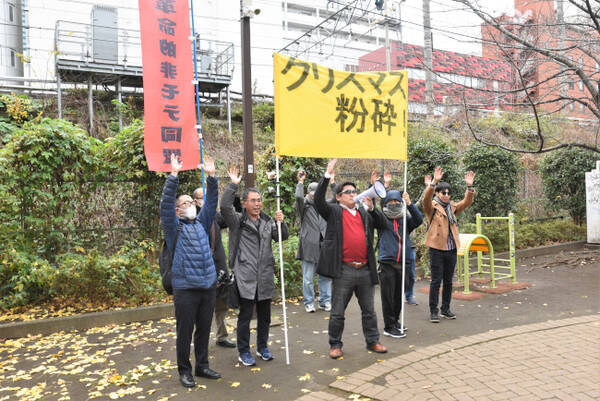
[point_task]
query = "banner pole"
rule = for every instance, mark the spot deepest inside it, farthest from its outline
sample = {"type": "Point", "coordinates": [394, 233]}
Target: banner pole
{"type": "Point", "coordinates": [285, 332]}
{"type": "Point", "coordinates": [199, 126]}
{"type": "Point", "coordinates": [402, 329]}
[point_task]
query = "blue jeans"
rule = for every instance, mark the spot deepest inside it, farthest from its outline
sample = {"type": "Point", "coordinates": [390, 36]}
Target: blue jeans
{"type": "Point", "coordinates": [410, 276]}
{"type": "Point", "coordinates": [308, 285]}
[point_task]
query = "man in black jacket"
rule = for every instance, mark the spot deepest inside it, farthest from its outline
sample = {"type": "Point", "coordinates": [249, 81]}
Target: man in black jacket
{"type": "Point", "coordinates": [347, 256]}
{"type": "Point", "coordinates": [218, 252]}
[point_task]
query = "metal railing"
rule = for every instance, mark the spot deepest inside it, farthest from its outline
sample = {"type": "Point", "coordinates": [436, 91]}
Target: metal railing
{"type": "Point", "coordinates": [75, 41]}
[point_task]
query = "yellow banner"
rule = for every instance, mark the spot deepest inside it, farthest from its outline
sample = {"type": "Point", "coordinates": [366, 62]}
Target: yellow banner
{"type": "Point", "coordinates": [320, 112]}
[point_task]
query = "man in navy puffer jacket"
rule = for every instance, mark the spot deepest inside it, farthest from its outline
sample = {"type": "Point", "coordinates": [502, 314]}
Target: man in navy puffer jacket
{"type": "Point", "coordinates": [390, 257]}
{"type": "Point", "coordinates": [193, 269]}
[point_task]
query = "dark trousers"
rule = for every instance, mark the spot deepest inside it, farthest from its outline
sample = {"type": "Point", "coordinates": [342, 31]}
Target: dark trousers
{"type": "Point", "coordinates": [442, 270]}
{"type": "Point", "coordinates": [390, 278]}
{"type": "Point", "coordinates": [263, 321]}
{"type": "Point", "coordinates": [193, 308]}
{"type": "Point", "coordinates": [353, 281]}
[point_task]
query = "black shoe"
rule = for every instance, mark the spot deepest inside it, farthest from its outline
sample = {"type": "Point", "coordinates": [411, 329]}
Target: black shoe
{"type": "Point", "coordinates": [394, 332]}
{"type": "Point", "coordinates": [187, 380]}
{"type": "Point", "coordinates": [448, 315]}
{"type": "Point", "coordinates": [208, 373]}
{"type": "Point", "coordinates": [226, 343]}
{"type": "Point", "coordinates": [398, 327]}
{"type": "Point", "coordinates": [434, 318]}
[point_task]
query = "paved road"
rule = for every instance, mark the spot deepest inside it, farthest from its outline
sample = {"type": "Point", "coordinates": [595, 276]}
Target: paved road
{"type": "Point", "coordinates": [136, 361]}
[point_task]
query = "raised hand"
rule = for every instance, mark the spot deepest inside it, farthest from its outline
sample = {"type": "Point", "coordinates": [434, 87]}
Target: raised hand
{"type": "Point", "coordinates": [427, 180]}
{"type": "Point", "coordinates": [301, 176]}
{"type": "Point", "coordinates": [469, 177]}
{"type": "Point", "coordinates": [438, 174]}
{"type": "Point", "coordinates": [234, 175]}
{"type": "Point", "coordinates": [387, 179]}
{"type": "Point", "coordinates": [332, 179]}
{"type": "Point", "coordinates": [175, 165]}
{"type": "Point", "coordinates": [406, 198]}
{"type": "Point", "coordinates": [374, 176]}
{"type": "Point", "coordinates": [331, 166]}
{"type": "Point", "coordinates": [279, 216]}
{"type": "Point", "coordinates": [208, 166]}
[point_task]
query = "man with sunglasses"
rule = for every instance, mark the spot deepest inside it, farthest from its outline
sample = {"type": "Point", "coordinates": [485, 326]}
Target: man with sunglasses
{"type": "Point", "coordinates": [347, 256]}
{"type": "Point", "coordinates": [442, 237]}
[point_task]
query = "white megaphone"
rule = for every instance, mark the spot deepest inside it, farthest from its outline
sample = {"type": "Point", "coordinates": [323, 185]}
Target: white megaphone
{"type": "Point", "coordinates": [377, 189]}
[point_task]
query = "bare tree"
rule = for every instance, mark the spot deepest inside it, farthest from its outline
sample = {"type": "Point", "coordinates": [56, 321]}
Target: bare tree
{"type": "Point", "coordinates": [555, 64]}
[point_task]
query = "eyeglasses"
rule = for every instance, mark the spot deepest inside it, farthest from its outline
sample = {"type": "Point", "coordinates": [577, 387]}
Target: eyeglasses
{"type": "Point", "coordinates": [186, 204]}
{"type": "Point", "coordinates": [349, 191]}
{"type": "Point", "coordinates": [445, 192]}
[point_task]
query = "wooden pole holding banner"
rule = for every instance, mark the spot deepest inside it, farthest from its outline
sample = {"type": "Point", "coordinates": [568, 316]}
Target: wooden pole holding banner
{"type": "Point", "coordinates": [402, 329]}
{"type": "Point", "coordinates": [285, 333]}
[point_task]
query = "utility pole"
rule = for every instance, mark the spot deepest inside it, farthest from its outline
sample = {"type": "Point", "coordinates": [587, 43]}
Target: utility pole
{"type": "Point", "coordinates": [246, 12]}
{"type": "Point", "coordinates": [560, 16]}
{"type": "Point", "coordinates": [427, 53]}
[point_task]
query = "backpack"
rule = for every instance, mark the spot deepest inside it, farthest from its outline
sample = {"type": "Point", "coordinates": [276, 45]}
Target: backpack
{"type": "Point", "coordinates": [165, 262]}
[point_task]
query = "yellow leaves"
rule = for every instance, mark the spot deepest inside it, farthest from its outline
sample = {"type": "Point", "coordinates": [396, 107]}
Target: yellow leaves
{"type": "Point", "coordinates": [266, 386]}
{"type": "Point", "coordinates": [235, 384]}
{"type": "Point", "coordinates": [305, 390]}
{"type": "Point", "coordinates": [308, 352]}
{"type": "Point", "coordinates": [306, 377]}
{"type": "Point", "coordinates": [255, 370]}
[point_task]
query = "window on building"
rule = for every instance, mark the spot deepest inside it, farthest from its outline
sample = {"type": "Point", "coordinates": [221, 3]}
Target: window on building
{"type": "Point", "coordinates": [580, 85]}
{"type": "Point", "coordinates": [11, 12]}
{"type": "Point", "coordinates": [597, 67]}
{"type": "Point", "coordinates": [580, 62]}
{"type": "Point", "coordinates": [13, 58]}
{"type": "Point", "coordinates": [351, 67]}
{"type": "Point", "coordinates": [571, 84]}
{"type": "Point", "coordinates": [571, 106]}
{"type": "Point", "coordinates": [581, 107]}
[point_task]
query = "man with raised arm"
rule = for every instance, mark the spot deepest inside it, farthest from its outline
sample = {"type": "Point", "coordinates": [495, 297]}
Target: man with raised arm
{"type": "Point", "coordinates": [442, 237]}
{"type": "Point", "coordinates": [193, 270]}
{"type": "Point", "coordinates": [251, 234]}
{"type": "Point", "coordinates": [347, 256]}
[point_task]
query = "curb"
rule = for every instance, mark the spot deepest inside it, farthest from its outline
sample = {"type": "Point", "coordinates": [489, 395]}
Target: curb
{"type": "Point", "coordinates": [140, 314]}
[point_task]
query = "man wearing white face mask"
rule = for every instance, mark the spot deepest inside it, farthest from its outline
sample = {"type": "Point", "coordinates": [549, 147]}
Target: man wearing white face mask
{"type": "Point", "coordinates": [193, 270]}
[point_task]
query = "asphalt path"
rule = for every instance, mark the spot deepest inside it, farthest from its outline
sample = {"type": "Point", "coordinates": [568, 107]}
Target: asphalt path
{"type": "Point", "coordinates": [136, 361]}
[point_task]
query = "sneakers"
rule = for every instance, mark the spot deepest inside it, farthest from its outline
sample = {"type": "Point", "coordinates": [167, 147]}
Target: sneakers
{"type": "Point", "coordinates": [265, 355]}
{"type": "Point", "coordinates": [448, 315]}
{"type": "Point", "coordinates": [411, 301]}
{"type": "Point", "coordinates": [394, 332]}
{"type": "Point", "coordinates": [326, 306]}
{"type": "Point", "coordinates": [434, 318]}
{"type": "Point", "coordinates": [310, 308]}
{"type": "Point", "coordinates": [399, 328]}
{"type": "Point", "coordinates": [246, 359]}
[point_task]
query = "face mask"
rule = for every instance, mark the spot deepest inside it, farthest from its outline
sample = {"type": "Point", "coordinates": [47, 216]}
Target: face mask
{"type": "Point", "coordinates": [394, 210]}
{"type": "Point", "coordinates": [189, 213]}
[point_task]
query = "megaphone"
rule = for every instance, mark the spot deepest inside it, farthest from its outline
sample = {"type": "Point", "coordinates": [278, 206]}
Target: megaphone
{"type": "Point", "coordinates": [377, 189]}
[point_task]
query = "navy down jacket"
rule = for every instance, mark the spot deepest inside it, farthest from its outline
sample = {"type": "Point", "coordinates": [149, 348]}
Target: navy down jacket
{"type": "Point", "coordinates": [193, 266]}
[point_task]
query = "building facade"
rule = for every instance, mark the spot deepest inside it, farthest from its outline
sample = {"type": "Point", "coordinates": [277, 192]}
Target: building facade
{"type": "Point", "coordinates": [11, 32]}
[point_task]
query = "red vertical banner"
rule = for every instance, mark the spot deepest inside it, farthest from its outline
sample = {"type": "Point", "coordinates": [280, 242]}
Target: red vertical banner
{"type": "Point", "coordinates": [169, 108]}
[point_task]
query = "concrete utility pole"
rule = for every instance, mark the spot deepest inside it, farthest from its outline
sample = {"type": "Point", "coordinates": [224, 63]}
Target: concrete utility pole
{"type": "Point", "coordinates": [427, 53]}
{"type": "Point", "coordinates": [246, 12]}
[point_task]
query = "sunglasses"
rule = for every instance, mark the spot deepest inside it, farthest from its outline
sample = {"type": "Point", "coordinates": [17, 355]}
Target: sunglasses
{"type": "Point", "coordinates": [445, 192]}
{"type": "Point", "coordinates": [349, 191]}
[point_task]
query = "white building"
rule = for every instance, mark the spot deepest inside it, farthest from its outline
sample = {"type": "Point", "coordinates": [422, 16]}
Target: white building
{"type": "Point", "coordinates": [11, 34]}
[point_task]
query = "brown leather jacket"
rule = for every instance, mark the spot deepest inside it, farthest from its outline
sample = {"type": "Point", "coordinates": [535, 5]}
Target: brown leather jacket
{"type": "Point", "coordinates": [437, 234]}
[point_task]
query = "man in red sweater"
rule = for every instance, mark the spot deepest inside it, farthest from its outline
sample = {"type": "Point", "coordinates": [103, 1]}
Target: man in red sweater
{"type": "Point", "coordinates": [347, 256]}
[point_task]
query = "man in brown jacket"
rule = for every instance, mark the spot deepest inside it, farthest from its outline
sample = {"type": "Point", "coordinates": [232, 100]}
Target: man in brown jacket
{"type": "Point", "coordinates": [442, 237]}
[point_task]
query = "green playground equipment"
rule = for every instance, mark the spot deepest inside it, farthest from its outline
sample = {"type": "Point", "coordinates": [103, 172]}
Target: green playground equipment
{"type": "Point", "coordinates": [480, 243]}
